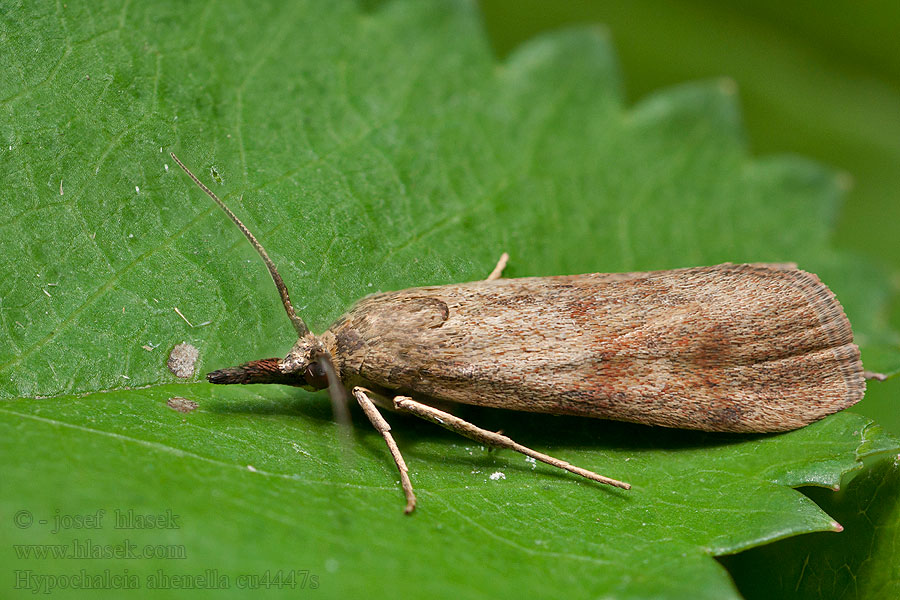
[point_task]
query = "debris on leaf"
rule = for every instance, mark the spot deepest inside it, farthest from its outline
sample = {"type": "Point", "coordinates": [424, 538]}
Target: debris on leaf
{"type": "Point", "coordinates": [182, 405]}
{"type": "Point", "coordinates": [182, 359]}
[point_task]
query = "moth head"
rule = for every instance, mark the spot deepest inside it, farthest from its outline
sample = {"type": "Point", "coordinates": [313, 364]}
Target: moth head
{"type": "Point", "coordinates": [308, 364]}
{"type": "Point", "coordinates": [304, 366]}
{"type": "Point", "coordinates": [306, 361]}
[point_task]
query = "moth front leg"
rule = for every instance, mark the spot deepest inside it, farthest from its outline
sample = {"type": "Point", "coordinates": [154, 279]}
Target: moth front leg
{"type": "Point", "coordinates": [464, 428]}
{"type": "Point", "coordinates": [368, 406]}
{"type": "Point", "coordinates": [498, 270]}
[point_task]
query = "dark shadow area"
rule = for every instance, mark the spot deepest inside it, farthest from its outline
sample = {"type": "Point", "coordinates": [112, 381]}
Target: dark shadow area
{"type": "Point", "coordinates": [856, 562]}
{"type": "Point", "coordinates": [530, 429]}
{"type": "Point", "coordinates": [294, 402]}
{"type": "Point", "coordinates": [583, 432]}
{"type": "Point", "coordinates": [371, 6]}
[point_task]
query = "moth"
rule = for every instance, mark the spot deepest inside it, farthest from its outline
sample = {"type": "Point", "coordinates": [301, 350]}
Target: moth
{"type": "Point", "coordinates": [731, 347]}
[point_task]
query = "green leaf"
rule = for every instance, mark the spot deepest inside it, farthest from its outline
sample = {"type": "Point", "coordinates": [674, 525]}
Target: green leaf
{"type": "Point", "coordinates": [861, 564]}
{"type": "Point", "coordinates": [369, 151]}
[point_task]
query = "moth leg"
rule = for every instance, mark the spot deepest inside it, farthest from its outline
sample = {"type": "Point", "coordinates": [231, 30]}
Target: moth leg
{"type": "Point", "coordinates": [368, 406]}
{"type": "Point", "coordinates": [464, 428]}
{"type": "Point", "coordinates": [498, 270]}
{"type": "Point", "coordinates": [874, 375]}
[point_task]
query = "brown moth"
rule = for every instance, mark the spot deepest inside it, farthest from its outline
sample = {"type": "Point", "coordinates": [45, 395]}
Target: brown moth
{"type": "Point", "coordinates": [732, 347]}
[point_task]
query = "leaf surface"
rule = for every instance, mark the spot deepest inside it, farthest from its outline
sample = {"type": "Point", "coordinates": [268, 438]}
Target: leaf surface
{"type": "Point", "coordinates": [369, 150]}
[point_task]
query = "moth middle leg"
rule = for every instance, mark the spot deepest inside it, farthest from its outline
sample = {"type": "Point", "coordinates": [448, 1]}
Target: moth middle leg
{"type": "Point", "coordinates": [498, 270]}
{"type": "Point", "coordinates": [466, 429]}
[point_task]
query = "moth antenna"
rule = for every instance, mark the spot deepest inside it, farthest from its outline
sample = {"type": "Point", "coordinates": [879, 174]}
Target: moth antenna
{"type": "Point", "coordinates": [299, 325]}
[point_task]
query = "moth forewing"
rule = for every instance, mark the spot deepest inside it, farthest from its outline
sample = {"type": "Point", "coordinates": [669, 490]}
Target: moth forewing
{"type": "Point", "coordinates": [747, 348]}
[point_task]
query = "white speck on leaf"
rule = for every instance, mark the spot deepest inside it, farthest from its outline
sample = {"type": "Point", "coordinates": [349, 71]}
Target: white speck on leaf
{"type": "Point", "coordinates": [300, 450]}
{"type": "Point", "coordinates": [497, 475]}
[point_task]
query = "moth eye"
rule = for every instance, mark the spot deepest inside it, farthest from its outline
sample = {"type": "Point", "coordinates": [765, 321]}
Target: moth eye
{"type": "Point", "coordinates": [315, 376]}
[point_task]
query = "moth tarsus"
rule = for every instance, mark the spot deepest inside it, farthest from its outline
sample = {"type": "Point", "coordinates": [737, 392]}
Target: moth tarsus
{"type": "Point", "coordinates": [875, 375]}
{"type": "Point", "coordinates": [733, 347]}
